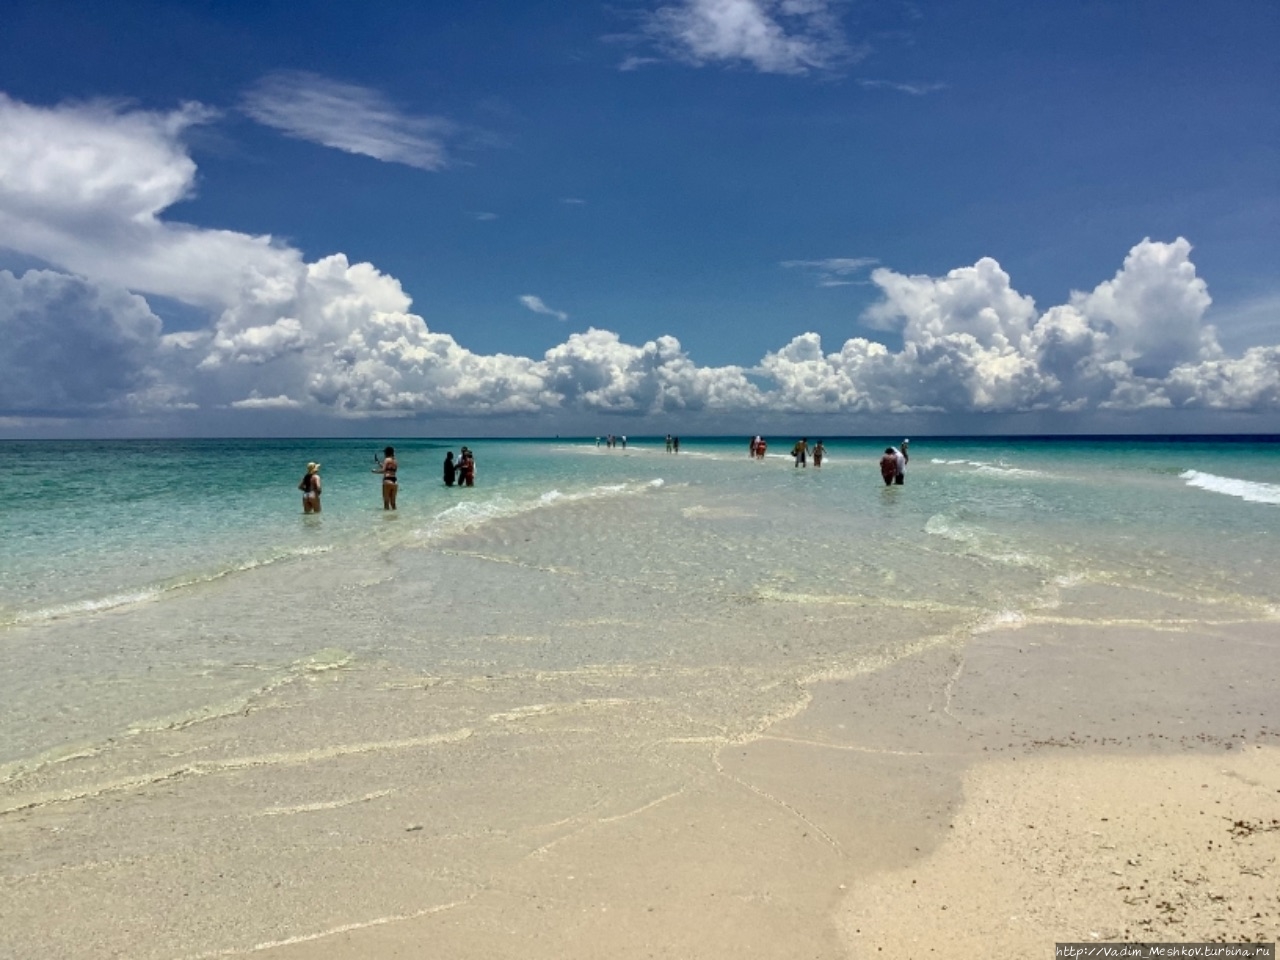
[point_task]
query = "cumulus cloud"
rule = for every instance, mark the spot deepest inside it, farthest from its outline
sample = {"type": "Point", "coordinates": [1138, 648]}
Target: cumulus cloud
{"type": "Point", "coordinates": [972, 343]}
{"type": "Point", "coordinates": [70, 346]}
{"type": "Point", "coordinates": [84, 187]}
{"type": "Point", "coordinates": [595, 370]}
{"type": "Point", "coordinates": [348, 117]}
{"type": "Point", "coordinates": [537, 306]}
{"type": "Point", "coordinates": [771, 36]}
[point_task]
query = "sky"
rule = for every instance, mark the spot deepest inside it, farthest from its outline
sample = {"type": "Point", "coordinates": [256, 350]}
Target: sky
{"type": "Point", "coordinates": [641, 216]}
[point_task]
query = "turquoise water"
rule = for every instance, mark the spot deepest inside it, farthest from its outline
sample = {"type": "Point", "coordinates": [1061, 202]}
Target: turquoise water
{"type": "Point", "coordinates": [87, 525]}
{"type": "Point", "coordinates": [146, 580]}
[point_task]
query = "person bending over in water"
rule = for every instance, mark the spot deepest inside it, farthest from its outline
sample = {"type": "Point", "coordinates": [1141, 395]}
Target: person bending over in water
{"type": "Point", "coordinates": [889, 466]}
{"type": "Point", "coordinates": [389, 484]}
{"type": "Point", "coordinates": [310, 487]}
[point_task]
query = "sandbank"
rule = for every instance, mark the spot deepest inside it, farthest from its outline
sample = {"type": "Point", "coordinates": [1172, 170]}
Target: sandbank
{"type": "Point", "coordinates": [1065, 777]}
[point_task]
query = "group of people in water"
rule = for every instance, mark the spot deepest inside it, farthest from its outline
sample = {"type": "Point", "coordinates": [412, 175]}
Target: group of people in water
{"type": "Point", "coordinates": [800, 453]}
{"type": "Point", "coordinates": [460, 472]}
{"type": "Point", "coordinates": [893, 464]}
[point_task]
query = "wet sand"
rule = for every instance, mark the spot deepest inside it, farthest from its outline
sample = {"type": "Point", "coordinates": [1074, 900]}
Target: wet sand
{"type": "Point", "coordinates": [1074, 777]}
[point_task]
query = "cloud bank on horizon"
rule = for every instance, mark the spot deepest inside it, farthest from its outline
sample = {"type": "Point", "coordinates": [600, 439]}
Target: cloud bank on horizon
{"type": "Point", "coordinates": [83, 188]}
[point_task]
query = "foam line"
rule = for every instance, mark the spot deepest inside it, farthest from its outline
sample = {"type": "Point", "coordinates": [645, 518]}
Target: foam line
{"type": "Point", "coordinates": [149, 593]}
{"type": "Point", "coordinates": [333, 931]}
{"type": "Point", "coordinates": [1249, 490]}
{"type": "Point", "coordinates": [207, 768]}
{"type": "Point", "coordinates": [323, 805]}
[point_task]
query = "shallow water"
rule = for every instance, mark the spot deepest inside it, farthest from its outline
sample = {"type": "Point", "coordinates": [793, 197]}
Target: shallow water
{"type": "Point", "coordinates": [226, 726]}
{"type": "Point", "coordinates": [149, 584]}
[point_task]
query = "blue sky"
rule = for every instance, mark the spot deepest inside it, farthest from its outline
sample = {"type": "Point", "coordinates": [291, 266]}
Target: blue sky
{"type": "Point", "coordinates": [692, 215]}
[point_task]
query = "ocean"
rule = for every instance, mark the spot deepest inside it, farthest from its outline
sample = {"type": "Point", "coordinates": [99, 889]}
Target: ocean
{"type": "Point", "coordinates": [170, 620]}
{"type": "Point", "coordinates": [204, 544]}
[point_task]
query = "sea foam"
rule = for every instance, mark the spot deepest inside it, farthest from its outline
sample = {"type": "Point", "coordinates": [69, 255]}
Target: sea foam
{"type": "Point", "coordinates": [1249, 490]}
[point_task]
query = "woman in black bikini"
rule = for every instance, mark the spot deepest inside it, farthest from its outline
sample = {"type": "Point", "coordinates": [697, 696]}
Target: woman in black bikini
{"type": "Point", "coordinates": [389, 485]}
{"type": "Point", "coordinates": [310, 487]}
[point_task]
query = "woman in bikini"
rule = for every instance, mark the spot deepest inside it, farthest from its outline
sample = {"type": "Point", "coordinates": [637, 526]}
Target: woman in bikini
{"type": "Point", "coordinates": [389, 485]}
{"type": "Point", "coordinates": [310, 487]}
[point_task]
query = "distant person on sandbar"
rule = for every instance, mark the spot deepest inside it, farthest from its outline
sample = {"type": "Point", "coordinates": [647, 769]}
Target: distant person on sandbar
{"type": "Point", "coordinates": [310, 487]}
{"type": "Point", "coordinates": [819, 451]}
{"type": "Point", "coordinates": [905, 455]}
{"type": "Point", "coordinates": [675, 444]}
{"type": "Point", "coordinates": [467, 468]}
{"type": "Point", "coordinates": [889, 466]}
{"type": "Point", "coordinates": [761, 446]}
{"type": "Point", "coordinates": [800, 451]}
{"type": "Point", "coordinates": [450, 469]}
{"type": "Point", "coordinates": [390, 486]}
{"type": "Point", "coordinates": [668, 443]}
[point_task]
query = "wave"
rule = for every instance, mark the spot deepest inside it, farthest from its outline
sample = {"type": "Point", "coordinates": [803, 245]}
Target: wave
{"type": "Point", "coordinates": [147, 593]}
{"type": "Point", "coordinates": [473, 513]}
{"type": "Point", "coordinates": [984, 544]}
{"type": "Point", "coordinates": [1250, 490]}
{"type": "Point", "coordinates": [322, 661]}
{"type": "Point", "coordinates": [995, 469]}
{"type": "Point", "coordinates": [463, 516]}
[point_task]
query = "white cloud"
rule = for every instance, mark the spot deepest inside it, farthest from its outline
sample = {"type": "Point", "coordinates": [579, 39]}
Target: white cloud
{"type": "Point", "coordinates": [1152, 310]}
{"type": "Point", "coordinates": [834, 271]}
{"type": "Point", "coordinates": [914, 89]}
{"type": "Point", "coordinates": [1251, 382]}
{"type": "Point", "coordinates": [82, 186]}
{"type": "Point", "coordinates": [773, 36]}
{"type": "Point", "coordinates": [335, 338]}
{"type": "Point", "coordinates": [256, 402]}
{"type": "Point", "coordinates": [595, 370]}
{"type": "Point", "coordinates": [537, 306]}
{"type": "Point", "coordinates": [348, 117]}
{"type": "Point", "coordinates": [972, 343]}
{"type": "Point", "coordinates": [631, 63]}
